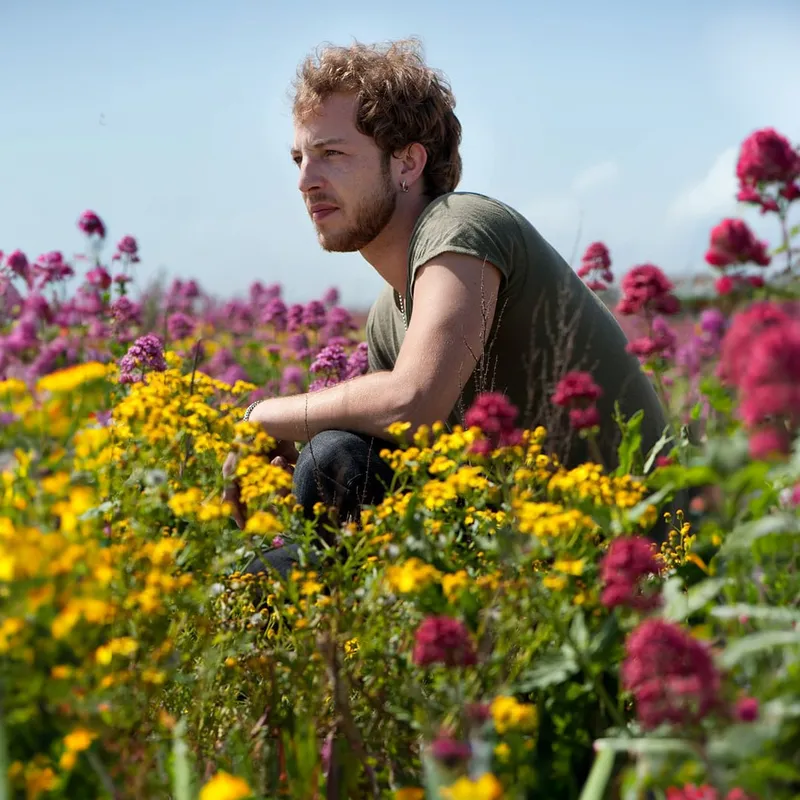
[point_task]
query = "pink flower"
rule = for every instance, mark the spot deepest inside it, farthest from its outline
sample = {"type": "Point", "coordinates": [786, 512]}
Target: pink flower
{"type": "Point", "coordinates": [443, 640]}
{"type": "Point", "coordinates": [746, 709]}
{"type": "Point", "coordinates": [576, 387]}
{"type": "Point", "coordinates": [732, 242]}
{"type": "Point", "coordinates": [595, 267]}
{"type": "Point", "coordinates": [646, 289]}
{"type": "Point", "coordinates": [670, 674]}
{"type": "Point", "coordinates": [128, 246]}
{"type": "Point", "coordinates": [496, 416]}
{"type": "Point", "coordinates": [744, 327]}
{"type": "Point", "coordinates": [578, 392]}
{"type": "Point", "coordinates": [99, 277]}
{"type": "Point", "coordinates": [767, 157]}
{"type": "Point", "coordinates": [449, 751]}
{"type": "Point", "coordinates": [91, 224]}
{"type": "Point", "coordinates": [627, 563]}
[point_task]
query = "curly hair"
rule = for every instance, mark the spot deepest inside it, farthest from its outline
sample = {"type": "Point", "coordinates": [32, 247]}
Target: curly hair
{"type": "Point", "coordinates": [399, 100]}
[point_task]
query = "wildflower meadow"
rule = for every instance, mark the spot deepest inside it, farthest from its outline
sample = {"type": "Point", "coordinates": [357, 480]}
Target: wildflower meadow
{"type": "Point", "coordinates": [499, 626]}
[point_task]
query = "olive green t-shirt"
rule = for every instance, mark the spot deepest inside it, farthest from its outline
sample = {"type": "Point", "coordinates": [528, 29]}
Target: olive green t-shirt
{"type": "Point", "coordinates": [547, 323]}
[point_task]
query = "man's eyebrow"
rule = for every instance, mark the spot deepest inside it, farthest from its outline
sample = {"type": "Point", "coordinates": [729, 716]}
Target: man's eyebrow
{"type": "Point", "coordinates": [320, 143]}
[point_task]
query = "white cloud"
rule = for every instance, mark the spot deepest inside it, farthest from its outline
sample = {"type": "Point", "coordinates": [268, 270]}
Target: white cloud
{"type": "Point", "coordinates": [714, 194]}
{"type": "Point", "coordinates": [596, 176]}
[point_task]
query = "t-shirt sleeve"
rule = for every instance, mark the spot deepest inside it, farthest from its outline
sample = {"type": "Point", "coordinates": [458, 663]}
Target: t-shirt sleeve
{"type": "Point", "coordinates": [375, 336]}
{"type": "Point", "coordinates": [470, 224]}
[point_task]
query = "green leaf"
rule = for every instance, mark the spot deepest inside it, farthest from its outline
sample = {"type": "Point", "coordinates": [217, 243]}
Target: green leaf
{"type": "Point", "coordinates": [5, 789]}
{"type": "Point", "coordinates": [745, 535]}
{"type": "Point", "coordinates": [579, 632]}
{"type": "Point", "coordinates": [595, 786]}
{"type": "Point", "coordinates": [756, 643]}
{"type": "Point", "coordinates": [642, 747]}
{"type": "Point", "coordinates": [631, 443]}
{"type": "Point", "coordinates": [181, 770]}
{"type": "Point", "coordinates": [549, 670]}
{"type": "Point", "coordinates": [768, 613]}
{"type": "Point", "coordinates": [681, 605]}
{"type": "Point", "coordinates": [655, 451]}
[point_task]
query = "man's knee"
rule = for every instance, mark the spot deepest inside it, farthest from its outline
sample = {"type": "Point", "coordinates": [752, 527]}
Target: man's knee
{"type": "Point", "coordinates": [334, 465]}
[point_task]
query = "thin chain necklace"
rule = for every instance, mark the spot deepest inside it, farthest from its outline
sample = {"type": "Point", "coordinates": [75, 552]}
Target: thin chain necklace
{"type": "Point", "coordinates": [402, 310]}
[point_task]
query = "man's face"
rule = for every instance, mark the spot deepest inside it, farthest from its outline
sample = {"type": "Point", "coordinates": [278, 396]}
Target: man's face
{"type": "Point", "coordinates": [344, 178]}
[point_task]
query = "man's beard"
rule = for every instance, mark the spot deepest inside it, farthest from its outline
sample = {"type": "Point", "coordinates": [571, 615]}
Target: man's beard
{"type": "Point", "coordinates": [372, 216]}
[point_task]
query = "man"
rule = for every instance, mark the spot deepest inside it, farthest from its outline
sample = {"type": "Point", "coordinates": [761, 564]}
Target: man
{"type": "Point", "coordinates": [475, 299]}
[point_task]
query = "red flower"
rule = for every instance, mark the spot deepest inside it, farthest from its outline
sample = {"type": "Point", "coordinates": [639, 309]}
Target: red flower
{"type": "Point", "coordinates": [91, 224]}
{"type": "Point", "coordinates": [769, 388]}
{"type": "Point", "coordinates": [443, 640]}
{"type": "Point", "coordinates": [670, 674]}
{"type": "Point", "coordinates": [628, 561]}
{"type": "Point", "coordinates": [767, 157]}
{"type": "Point", "coordinates": [725, 285]}
{"type": "Point", "coordinates": [584, 418]}
{"type": "Point", "coordinates": [732, 242]}
{"type": "Point", "coordinates": [743, 329]}
{"type": "Point", "coordinates": [768, 442]}
{"type": "Point", "coordinates": [495, 415]}
{"type": "Point", "coordinates": [595, 267]}
{"type": "Point", "coordinates": [646, 288]}
{"type": "Point", "coordinates": [746, 709]}
{"type": "Point", "coordinates": [692, 792]}
{"type": "Point", "coordinates": [578, 392]}
{"type": "Point", "coordinates": [576, 387]}
{"type": "Point", "coordinates": [450, 751]}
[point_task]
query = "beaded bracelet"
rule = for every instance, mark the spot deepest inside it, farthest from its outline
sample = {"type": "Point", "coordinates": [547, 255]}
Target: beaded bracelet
{"type": "Point", "coordinates": [246, 417]}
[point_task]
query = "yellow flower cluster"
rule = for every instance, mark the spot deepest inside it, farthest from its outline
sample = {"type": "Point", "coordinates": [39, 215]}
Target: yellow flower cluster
{"type": "Point", "coordinates": [509, 714]}
{"type": "Point", "coordinates": [547, 520]}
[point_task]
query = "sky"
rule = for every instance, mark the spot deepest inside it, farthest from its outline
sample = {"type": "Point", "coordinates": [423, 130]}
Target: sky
{"type": "Point", "coordinates": [614, 121]}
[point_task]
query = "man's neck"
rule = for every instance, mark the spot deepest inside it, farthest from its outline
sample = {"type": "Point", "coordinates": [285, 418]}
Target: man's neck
{"type": "Point", "coordinates": [388, 252]}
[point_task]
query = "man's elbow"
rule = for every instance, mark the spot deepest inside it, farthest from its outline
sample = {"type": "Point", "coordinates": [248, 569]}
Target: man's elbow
{"type": "Point", "coordinates": [421, 405]}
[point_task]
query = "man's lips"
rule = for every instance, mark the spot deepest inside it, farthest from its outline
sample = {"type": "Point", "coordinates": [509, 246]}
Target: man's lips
{"type": "Point", "coordinates": [321, 210]}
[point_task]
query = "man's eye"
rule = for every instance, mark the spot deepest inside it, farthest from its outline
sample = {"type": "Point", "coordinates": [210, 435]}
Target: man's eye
{"type": "Point", "coordinates": [332, 152]}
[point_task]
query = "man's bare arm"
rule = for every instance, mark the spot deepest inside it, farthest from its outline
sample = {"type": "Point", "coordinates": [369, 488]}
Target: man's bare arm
{"type": "Point", "coordinates": [454, 304]}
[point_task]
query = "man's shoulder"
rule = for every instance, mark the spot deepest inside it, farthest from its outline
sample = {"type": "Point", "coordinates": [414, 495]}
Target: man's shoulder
{"type": "Point", "coordinates": [458, 205]}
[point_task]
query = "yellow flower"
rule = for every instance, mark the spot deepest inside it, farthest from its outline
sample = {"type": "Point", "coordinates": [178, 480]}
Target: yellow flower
{"type": "Point", "coordinates": [68, 380]}
{"type": "Point", "coordinates": [80, 739]}
{"type": "Point", "coordinates": [487, 787]}
{"type": "Point", "coordinates": [409, 793]}
{"type": "Point", "coordinates": [411, 576]}
{"type": "Point", "coordinates": [554, 582]}
{"type": "Point", "coordinates": [569, 566]}
{"type": "Point", "coordinates": [453, 584]}
{"type": "Point", "coordinates": [224, 786]}
{"type": "Point", "coordinates": [263, 522]}
{"type": "Point", "coordinates": [508, 713]}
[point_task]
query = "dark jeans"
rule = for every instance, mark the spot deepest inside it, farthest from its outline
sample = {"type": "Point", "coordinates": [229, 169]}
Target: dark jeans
{"type": "Point", "coordinates": [340, 469]}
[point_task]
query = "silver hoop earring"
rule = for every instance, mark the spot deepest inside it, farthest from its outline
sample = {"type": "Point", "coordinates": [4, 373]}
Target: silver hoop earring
{"type": "Point", "coordinates": [404, 186]}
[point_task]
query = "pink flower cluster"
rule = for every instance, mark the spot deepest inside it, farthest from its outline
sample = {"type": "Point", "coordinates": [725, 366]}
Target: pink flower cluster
{"type": "Point", "coordinates": [671, 675]}
{"type": "Point", "coordinates": [768, 170]}
{"type": "Point", "coordinates": [578, 393]}
{"type": "Point", "coordinates": [445, 641]}
{"type": "Point", "coordinates": [595, 268]}
{"type": "Point", "coordinates": [647, 290]}
{"type": "Point", "coordinates": [630, 560]}
{"type": "Point", "coordinates": [760, 358]}
{"type": "Point", "coordinates": [496, 416]}
{"type": "Point", "coordinates": [704, 792]}
{"type": "Point", "coordinates": [734, 246]}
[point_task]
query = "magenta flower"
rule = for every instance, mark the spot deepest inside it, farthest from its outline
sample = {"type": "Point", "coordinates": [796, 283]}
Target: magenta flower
{"type": "Point", "coordinates": [146, 354]}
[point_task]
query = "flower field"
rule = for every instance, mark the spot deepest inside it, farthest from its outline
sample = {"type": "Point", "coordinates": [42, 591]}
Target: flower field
{"type": "Point", "coordinates": [499, 626]}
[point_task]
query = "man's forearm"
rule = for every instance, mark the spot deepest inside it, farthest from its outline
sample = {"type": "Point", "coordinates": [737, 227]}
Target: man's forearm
{"type": "Point", "coordinates": [367, 404]}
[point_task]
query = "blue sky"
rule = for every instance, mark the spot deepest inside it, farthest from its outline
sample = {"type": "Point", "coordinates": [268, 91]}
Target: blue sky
{"type": "Point", "coordinates": [617, 121]}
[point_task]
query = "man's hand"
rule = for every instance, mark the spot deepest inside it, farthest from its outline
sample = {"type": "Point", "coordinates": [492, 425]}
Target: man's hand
{"type": "Point", "coordinates": [283, 455]}
{"type": "Point", "coordinates": [231, 492]}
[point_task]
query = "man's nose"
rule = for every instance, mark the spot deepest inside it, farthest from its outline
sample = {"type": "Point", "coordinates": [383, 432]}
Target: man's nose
{"type": "Point", "coordinates": [309, 178]}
